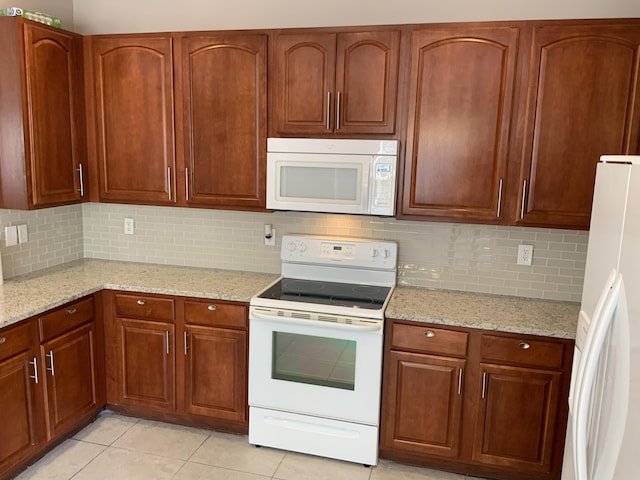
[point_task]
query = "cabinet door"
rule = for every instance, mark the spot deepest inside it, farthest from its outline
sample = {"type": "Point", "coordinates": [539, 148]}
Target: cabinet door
{"type": "Point", "coordinates": [422, 404]}
{"type": "Point", "coordinates": [460, 106]}
{"type": "Point", "coordinates": [224, 94]}
{"type": "Point", "coordinates": [366, 86]}
{"type": "Point", "coordinates": [146, 364]}
{"type": "Point", "coordinates": [70, 378]}
{"type": "Point", "coordinates": [216, 372]}
{"type": "Point", "coordinates": [54, 99]}
{"type": "Point", "coordinates": [582, 103]}
{"type": "Point", "coordinates": [517, 417]}
{"type": "Point", "coordinates": [304, 83]}
{"type": "Point", "coordinates": [134, 120]}
{"type": "Point", "coordinates": [17, 415]}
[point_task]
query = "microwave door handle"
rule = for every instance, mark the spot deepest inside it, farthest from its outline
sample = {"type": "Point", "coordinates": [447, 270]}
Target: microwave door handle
{"type": "Point", "coordinates": [315, 323]}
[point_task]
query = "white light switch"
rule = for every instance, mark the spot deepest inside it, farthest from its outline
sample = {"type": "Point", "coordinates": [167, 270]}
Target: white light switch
{"type": "Point", "coordinates": [23, 233]}
{"type": "Point", "coordinates": [128, 226]}
{"type": "Point", "coordinates": [10, 235]}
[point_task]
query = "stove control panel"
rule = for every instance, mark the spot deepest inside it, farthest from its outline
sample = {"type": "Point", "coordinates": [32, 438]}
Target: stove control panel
{"type": "Point", "coordinates": [356, 252]}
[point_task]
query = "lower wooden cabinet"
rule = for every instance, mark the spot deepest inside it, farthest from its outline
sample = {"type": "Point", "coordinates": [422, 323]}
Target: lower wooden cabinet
{"type": "Point", "coordinates": [215, 361]}
{"type": "Point", "coordinates": [517, 417]}
{"type": "Point", "coordinates": [475, 402]}
{"type": "Point", "coordinates": [70, 378]}
{"type": "Point", "coordinates": [423, 403]}
{"type": "Point", "coordinates": [18, 415]}
{"type": "Point", "coordinates": [146, 363]}
{"type": "Point", "coordinates": [51, 380]}
{"type": "Point", "coordinates": [178, 359]}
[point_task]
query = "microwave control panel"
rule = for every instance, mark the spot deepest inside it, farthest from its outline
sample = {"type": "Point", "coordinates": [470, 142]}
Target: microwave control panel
{"type": "Point", "coordinates": [383, 186]}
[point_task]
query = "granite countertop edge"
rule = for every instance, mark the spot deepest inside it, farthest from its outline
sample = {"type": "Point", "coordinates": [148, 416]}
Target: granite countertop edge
{"type": "Point", "coordinates": [29, 295]}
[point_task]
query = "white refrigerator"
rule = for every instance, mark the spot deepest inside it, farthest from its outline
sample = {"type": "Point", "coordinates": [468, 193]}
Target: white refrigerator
{"type": "Point", "coordinates": [603, 434]}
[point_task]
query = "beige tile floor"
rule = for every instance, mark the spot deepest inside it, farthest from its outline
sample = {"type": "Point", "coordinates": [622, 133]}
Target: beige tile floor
{"type": "Point", "coordinates": [125, 448]}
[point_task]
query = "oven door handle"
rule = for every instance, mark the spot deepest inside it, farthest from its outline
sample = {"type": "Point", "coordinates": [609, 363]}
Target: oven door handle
{"type": "Point", "coordinates": [316, 323]}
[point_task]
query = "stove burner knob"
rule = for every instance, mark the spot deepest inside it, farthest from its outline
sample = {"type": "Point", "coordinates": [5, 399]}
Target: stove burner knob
{"type": "Point", "coordinates": [374, 252]}
{"type": "Point", "coordinates": [386, 253]}
{"type": "Point", "coordinates": [303, 247]}
{"type": "Point", "coordinates": [292, 246]}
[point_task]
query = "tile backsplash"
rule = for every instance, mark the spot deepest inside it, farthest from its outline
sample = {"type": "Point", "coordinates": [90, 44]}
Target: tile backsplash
{"type": "Point", "coordinates": [476, 258]}
{"type": "Point", "coordinates": [55, 237]}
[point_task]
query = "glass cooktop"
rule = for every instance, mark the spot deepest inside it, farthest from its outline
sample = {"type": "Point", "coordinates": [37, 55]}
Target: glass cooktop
{"type": "Point", "coordinates": [328, 293]}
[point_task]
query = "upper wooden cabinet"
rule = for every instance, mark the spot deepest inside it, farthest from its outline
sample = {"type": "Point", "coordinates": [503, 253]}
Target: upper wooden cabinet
{"type": "Point", "coordinates": [460, 103]}
{"type": "Point", "coordinates": [134, 120]}
{"type": "Point", "coordinates": [582, 102]}
{"type": "Point", "coordinates": [335, 83]}
{"type": "Point", "coordinates": [212, 151]}
{"type": "Point", "coordinates": [42, 130]}
{"type": "Point", "coordinates": [222, 85]}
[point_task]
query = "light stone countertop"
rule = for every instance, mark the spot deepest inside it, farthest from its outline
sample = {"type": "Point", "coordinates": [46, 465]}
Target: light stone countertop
{"type": "Point", "coordinates": [28, 295]}
{"type": "Point", "coordinates": [490, 312]}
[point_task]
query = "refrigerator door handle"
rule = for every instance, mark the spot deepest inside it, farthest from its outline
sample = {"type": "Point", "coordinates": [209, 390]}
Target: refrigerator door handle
{"type": "Point", "coordinates": [586, 379]}
{"type": "Point", "coordinates": [583, 346]}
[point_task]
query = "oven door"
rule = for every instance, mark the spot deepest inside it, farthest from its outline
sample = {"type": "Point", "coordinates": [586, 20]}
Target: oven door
{"type": "Point", "coordinates": [317, 368]}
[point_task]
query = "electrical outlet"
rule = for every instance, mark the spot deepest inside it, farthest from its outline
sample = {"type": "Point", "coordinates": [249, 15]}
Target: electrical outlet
{"type": "Point", "coordinates": [128, 226]}
{"type": "Point", "coordinates": [525, 254]}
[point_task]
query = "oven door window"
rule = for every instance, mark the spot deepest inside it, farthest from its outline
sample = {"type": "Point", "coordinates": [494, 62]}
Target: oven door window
{"type": "Point", "coordinates": [325, 361]}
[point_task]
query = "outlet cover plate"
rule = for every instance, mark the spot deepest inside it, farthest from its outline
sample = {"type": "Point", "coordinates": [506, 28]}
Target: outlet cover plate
{"type": "Point", "coordinates": [525, 254]}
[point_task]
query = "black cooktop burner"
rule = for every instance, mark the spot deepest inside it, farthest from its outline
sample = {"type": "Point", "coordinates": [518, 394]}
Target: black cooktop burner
{"type": "Point", "coordinates": [328, 293]}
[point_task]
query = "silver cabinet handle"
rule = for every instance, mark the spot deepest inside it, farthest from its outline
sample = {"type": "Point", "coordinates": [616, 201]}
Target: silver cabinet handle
{"type": "Point", "coordinates": [186, 183]}
{"type": "Point", "coordinates": [499, 199]}
{"type": "Point", "coordinates": [430, 334]}
{"type": "Point", "coordinates": [52, 368]}
{"type": "Point", "coordinates": [484, 384]}
{"type": "Point", "coordinates": [169, 181]}
{"type": "Point", "coordinates": [524, 196]}
{"type": "Point", "coordinates": [2, 340]}
{"type": "Point", "coordinates": [141, 302]}
{"type": "Point", "coordinates": [211, 308]}
{"type": "Point", "coordinates": [524, 345]}
{"type": "Point", "coordinates": [460, 381]}
{"type": "Point", "coordinates": [328, 119]}
{"type": "Point", "coordinates": [186, 347]}
{"type": "Point", "coordinates": [35, 369]}
{"type": "Point", "coordinates": [338, 101]}
{"type": "Point", "coordinates": [81, 176]}
{"type": "Point", "coordinates": [166, 336]}
{"type": "Point", "coordinates": [71, 311]}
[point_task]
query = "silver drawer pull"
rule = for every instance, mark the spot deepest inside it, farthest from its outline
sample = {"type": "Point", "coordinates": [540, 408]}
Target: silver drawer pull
{"type": "Point", "coordinates": [2, 340]}
{"type": "Point", "coordinates": [430, 334]}
{"type": "Point", "coordinates": [141, 302]}
{"type": "Point", "coordinates": [211, 307]}
{"type": "Point", "coordinates": [524, 346]}
{"type": "Point", "coordinates": [71, 311]}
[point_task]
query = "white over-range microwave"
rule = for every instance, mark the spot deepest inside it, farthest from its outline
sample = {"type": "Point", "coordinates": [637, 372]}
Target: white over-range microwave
{"type": "Point", "coordinates": [332, 176]}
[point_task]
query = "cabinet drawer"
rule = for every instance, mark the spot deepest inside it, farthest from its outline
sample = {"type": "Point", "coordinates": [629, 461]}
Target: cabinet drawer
{"type": "Point", "coordinates": [520, 351]}
{"type": "Point", "coordinates": [145, 307]}
{"type": "Point", "coordinates": [426, 339]}
{"type": "Point", "coordinates": [65, 318]}
{"type": "Point", "coordinates": [15, 339]}
{"type": "Point", "coordinates": [215, 313]}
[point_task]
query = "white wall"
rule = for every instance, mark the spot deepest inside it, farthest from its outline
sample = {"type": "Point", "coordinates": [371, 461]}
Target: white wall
{"type": "Point", "coordinates": [62, 9]}
{"type": "Point", "coordinates": [120, 16]}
